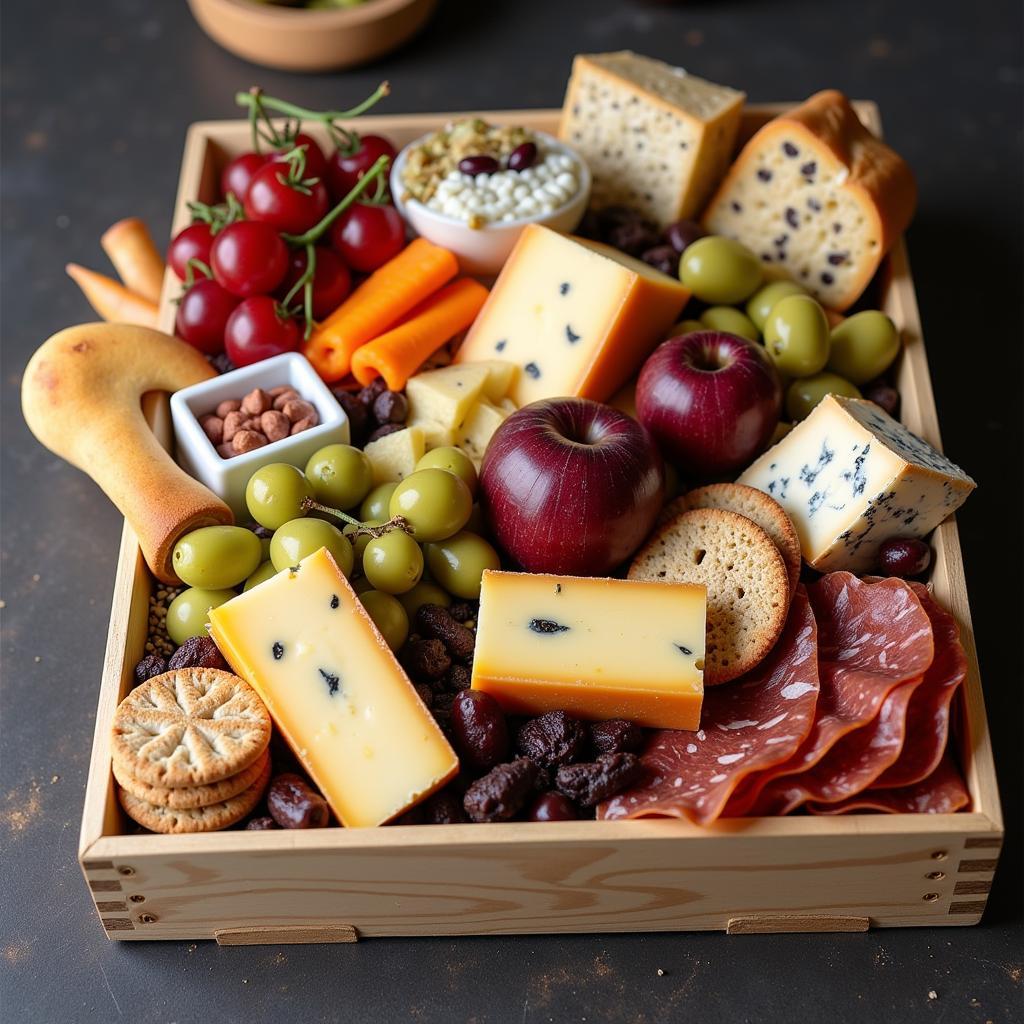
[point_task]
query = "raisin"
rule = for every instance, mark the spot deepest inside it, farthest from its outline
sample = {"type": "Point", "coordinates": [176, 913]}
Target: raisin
{"type": "Point", "coordinates": [589, 784]}
{"type": "Point", "coordinates": [391, 407]}
{"type": "Point", "coordinates": [633, 237]}
{"type": "Point", "coordinates": [502, 792]}
{"type": "Point", "coordinates": [442, 706]}
{"type": "Point", "coordinates": [434, 621]}
{"type": "Point", "coordinates": [197, 652]}
{"type": "Point", "coordinates": [552, 739]}
{"type": "Point", "coordinates": [444, 808]}
{"type": "Point", "coordinates": [151, 665]}
{"type": "Point", "coordinates": [387, 428]}
{"type": "Point", "coordinates": [368, 395]}
{"type": "Point", "coordinates": [357, 413]}
{"type": "Point", "coordinates": [293, 803]}
{"type": "Point", "coordinates": [263, 824]}
{"type": "Point", "coordinates": [425, 694]}
{"type": "Point", "coordinates": [261, 531]}
{"type": "Point", "coordinates": [663, 258]}
{"type": "Point", "coordinates": [457, 678]}
{"type": "Point", "coordinates": [682, 234]}
{"type": "Point", "coordinates": [616, 736]}
{"type": "Point", "coordinates": [463, 611]}
{"type": "Point", "coordinates": [479, 730]}
{"type": "Point", "coordinates": [552, 806]}
{"type": "Point", "coordinates": [426, 659]}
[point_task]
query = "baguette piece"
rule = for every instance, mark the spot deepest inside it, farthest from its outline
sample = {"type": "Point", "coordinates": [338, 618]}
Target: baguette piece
{"type": "Point", "coordinates": [655, 138]}
{"type": "Point", "coordinates": [816, 194]}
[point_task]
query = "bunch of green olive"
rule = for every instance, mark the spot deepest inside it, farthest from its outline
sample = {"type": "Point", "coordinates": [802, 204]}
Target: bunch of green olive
{"type": "Point", "coordinates": [815, 359]}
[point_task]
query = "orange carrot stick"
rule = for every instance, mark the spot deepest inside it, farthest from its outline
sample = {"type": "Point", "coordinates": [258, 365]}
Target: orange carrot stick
{"type": "Point", "coordinates": [111, 299]}
{"type": "Point", "coordinates": [397, 355]}
{"type": "Point", "coordinates": [136, 259]}
{"type": "Point", "coordinates": [377, 304]}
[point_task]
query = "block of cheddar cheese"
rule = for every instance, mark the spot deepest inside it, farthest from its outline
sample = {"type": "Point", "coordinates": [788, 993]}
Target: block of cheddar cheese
{"type": "Point", "coordinates": [597, 648]}
{"type": "Point", "coordinates": [816, 194]}
{"type": "Point", "coordinates": [654, 137]}
{"type": "Point", "coordinates": [851, 477]}
{"type": "Point", "coordinates": [305, 643]}
{"type": "Point", "coordinates": [576, 316]}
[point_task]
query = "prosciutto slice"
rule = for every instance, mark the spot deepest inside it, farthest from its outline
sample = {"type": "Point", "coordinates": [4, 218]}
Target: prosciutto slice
{"type": "Point", "coordinates": [748, 726]}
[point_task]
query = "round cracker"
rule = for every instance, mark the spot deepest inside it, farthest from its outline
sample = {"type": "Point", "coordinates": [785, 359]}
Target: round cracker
{"type": "Point", "coordinates": [185, 798]}
{"type": "Point", "coordinates": [189, 727]}
{"type": "Point", "coordinates": [745, 577]}
{"type": "Point", "coordinates": [211, 818]}
{"type": "Point", "coordinates": [759, 508]}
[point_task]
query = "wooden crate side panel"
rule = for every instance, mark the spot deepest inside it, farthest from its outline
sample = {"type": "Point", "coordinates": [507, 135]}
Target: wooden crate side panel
{"type": "Point", "coordinates": [593, 885]}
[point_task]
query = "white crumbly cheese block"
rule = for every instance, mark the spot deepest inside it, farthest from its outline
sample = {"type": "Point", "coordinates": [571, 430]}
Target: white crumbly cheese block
{"type": "Point", "coordinates": [654, 137]}
{"type": "Point", "coordinates": [476, 432]}
{"type": "Point", "coordinates": [816, 195]}
{"type": "Point", "coordinates": [852, 477]}
{"type": "Point", "coordinates": [335, 691]}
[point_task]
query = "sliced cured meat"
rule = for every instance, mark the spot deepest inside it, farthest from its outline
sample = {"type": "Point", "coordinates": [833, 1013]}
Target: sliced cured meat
{"type": "Point", "coordinates": [942, 792]}
{"type": "Point", "coordinates": [872, 638]}
{"type": "Point", "coordinates": [747, 726]}
{"type": "Point", "coordinates": [928, 711]}
{"type": "Point", "coordinates": [854, 762]}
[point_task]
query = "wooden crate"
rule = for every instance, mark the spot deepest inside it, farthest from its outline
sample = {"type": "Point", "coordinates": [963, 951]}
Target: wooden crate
{"type": "Point", "coordinates": [843, 873]}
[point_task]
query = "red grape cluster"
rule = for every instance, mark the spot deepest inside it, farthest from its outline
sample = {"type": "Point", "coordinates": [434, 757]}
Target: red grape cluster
{"type": "Point", "coordinates": [250, 289]}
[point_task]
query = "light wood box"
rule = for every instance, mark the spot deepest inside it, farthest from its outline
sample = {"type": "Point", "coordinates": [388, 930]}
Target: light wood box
{"type": "Point", "coordinates": [843, 873]}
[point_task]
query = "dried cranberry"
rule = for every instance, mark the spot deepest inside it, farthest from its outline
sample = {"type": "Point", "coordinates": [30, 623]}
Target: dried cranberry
{"type": "Point", "coordinates": [683, 233]}
{"type": "Point", "coordinates": [151, 665]}
{"type": "Point", "coordinates": [391, 407]}
{"type": "Point", "coordinates": [479, 730]}
{"type": "Point", "coordinates": [552, 807]}
{"type": "Point", "coordinates": [197, 652]}
{"type": "Point", "coordinates": [589, 784]}
{"type": "Point", "coordinates": [502, 792]}
{"type": "Point", "coordinates": [615, 736]}
{"type": "Point", "coordinates": [904, 556]}
{"type": "Point", "coordinates": [552, 739]}
{"type": "Point", "coordinates": [885, 395]}
{"type": "Point", "coordinates": [663, 258]}
{"type": "Point", "coordinates": [294, 804]}
{"type": "Point", "coordinates": [261, 825]}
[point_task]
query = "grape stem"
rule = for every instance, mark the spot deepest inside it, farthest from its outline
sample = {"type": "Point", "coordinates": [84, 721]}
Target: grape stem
{"type": "Point", "coordinates": [362, 529]}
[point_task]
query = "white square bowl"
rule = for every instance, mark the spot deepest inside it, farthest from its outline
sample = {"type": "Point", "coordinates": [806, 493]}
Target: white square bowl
{"type": "Point", "coordinates": [227, 477]}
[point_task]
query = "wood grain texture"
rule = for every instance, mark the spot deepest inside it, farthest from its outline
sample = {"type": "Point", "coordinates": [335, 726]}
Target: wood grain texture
{"type": "Point", "coordinates": [291, 935]}
{"type": "Point", "coordinates": [651, 875]}
{"type": "Point", "coordinates": [791, 923]}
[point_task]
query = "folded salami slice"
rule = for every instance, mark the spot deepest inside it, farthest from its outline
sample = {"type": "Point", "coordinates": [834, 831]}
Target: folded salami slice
{"type": "Point", "coordinates": [928, 711]}
{"type": "Point", "coordinates": [872, 638]}
{"type": "Point", "coordinates": [852, 765]}
{"type": "Point", "coordinates": [942, 792]}
{"type": "Point", "coordinates": [746, 726]}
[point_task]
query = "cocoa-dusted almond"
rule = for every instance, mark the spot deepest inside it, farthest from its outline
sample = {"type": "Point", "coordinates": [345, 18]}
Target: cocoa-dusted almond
{"type": "Point", "coordinates": [286, 396]}
{"type": "Point", "coordinates": [256, 402]}
{"type": "Point", "coordinates": [228, 405]}
{"type": "Point", "coordinates": [305, 424]}
{"type": "Point", "coordinates": [233, 423]}
{"type": "Point", "coordinates": [213, 427]}
{"type": "Point", "coordinates": [274, 425]}
{"type": "Point", "coordinates": [298, 409]}
{"type": "Point", "coordinates": [247, 441]}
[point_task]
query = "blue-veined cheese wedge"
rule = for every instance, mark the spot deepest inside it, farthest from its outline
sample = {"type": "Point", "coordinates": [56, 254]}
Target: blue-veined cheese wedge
{"type": "Point", "coordinates": [852, 477]}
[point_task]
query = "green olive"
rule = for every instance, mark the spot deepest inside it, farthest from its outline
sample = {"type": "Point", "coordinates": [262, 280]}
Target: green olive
{"type": "Point", "coordinates": [189, 612]}
{"type": "Point", "coordinates": [340, 474]}
{"type": "Point", "coordinates": [720, 270]}
{"type": "Point", "coordinates": [295, 540]}
{"type": "Point", "coordinates": [359, 543]}
{"type": "Point", "coordinates": [216, 557]}
{"type": "Point", "coordinates": [261, 575]}
{"type": "Point", "coordinates": [804, 394]}
{"type": "Point", "coordinates": [375, 505]}
{"type": "Point", "coordinates": [863, 346]}
{"type": "Point", "coordinates": [761, 302]}
{"type": "Point", "coordinates": [274, 494]}
{"type": "Point", "coordinates": [458, 563]}
{"type": "Point", "coordinates": [730, 320]}
{"type": "Point", "coordinates": [393, 563]}
{"type": "Point", "coordinates": [454, 460]}
{"type": "Point", "coordinates": [684, 327]}
{"type": "Point", "coordinates": [388, 616]}
{"type": "Point", "coordinates": [796, 336]}
{"type": "Point", "coordinates": [436, 504]}
{"type": "Point", "coordinates": [423, 593]}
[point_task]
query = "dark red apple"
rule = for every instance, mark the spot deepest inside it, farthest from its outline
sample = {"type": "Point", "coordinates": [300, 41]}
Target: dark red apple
{"type": "Point", "coordinates": [571, 486]}
{"type": "Point", "coordinates": [711, 400]}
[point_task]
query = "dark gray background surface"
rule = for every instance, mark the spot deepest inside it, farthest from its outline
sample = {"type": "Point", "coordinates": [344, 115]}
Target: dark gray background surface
{"type": "Point", "coordinates": [96, 98]}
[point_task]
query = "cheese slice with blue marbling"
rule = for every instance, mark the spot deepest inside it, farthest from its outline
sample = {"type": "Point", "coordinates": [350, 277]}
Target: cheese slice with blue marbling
{"type": "Point", "coordinates": [304, 641]}
{"type": "Point", "coordinates": [852, 477]}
